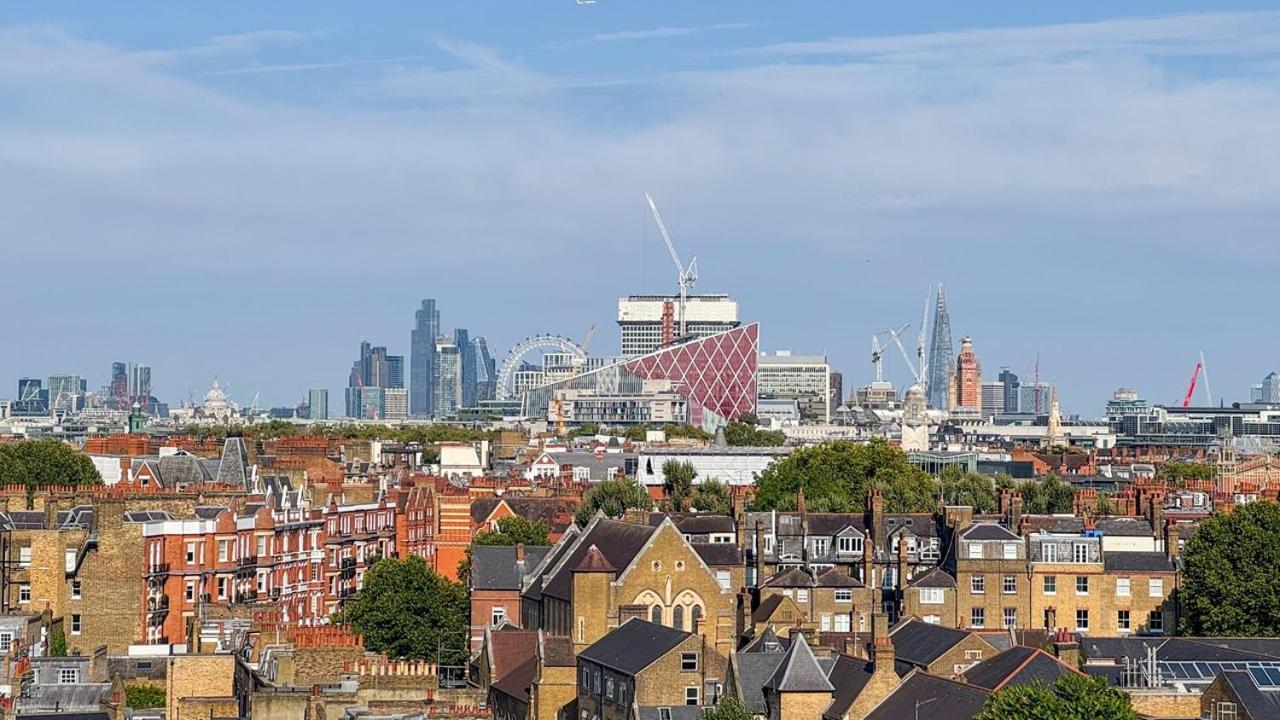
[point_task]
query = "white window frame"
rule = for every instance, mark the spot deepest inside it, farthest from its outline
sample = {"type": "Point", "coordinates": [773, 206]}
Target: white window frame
{"type": "Point", "coordinates": [68, 676]}
{"type": "Point", "coordinates": [77, 624]}
{"type": "Point", "coordinates": [1079, 552]}
{"type": "Point", "coordinates": [844, 595]}
{"type": "Point", "coordinates": [1050, 585]}
{"type": "Point", "coordinates": [1124, 620]}
{"type": "Point", "coordinates": [931, 596]}
{"type": "Point", "coordinates": [1048, 552]}
{"type": "Point", "coordinates": [975, 551]}
{"type": "Point", "coordinates": [1123, 586]}
{"type": "Point", "coordinates": [1155, 587]}
{"type": "Point", "coordinates": [1010, 551]}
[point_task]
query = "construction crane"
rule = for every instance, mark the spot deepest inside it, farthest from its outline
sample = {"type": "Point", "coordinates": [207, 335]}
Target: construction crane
{"type": "Point", "coordinates": [686, 277]}
{"type": "Point", "coordinates": [922, 377]}
{"type": "Point", "coordinates": [877, 357]}
{"type": "Point", "coordinates": [576, 361]}
{"type": "Point", "coordinates": [1201, 370]}
{"type": "Point", "coordinates": [896, 336]}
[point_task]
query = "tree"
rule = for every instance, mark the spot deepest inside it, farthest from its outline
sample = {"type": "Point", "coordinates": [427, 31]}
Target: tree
{"type": "Point", "coordinates": [140, 697]}
{"type": "Point", "coordinates": [1072, 696]}
{"type": "Point", "coordinates": [37, 463]}
{"type": "Point", "coordinates": [406, 610]}
{"type": "Point", "coordinates": [1230, 585]}
{"type": "Point", "coordinates": [58, 644]}
{"type": "Point", "coordinates": [614, 497]}
{"type": "Point", "coordinates": [728, 708]}
{"type": "Point", "coordinates": [836, 475]}
{"type": "Point", "coordinates": [712, 496]}
{"type": "Point", "coordinates": [1048, 496]}
{"type": "Point", "coordinates": [515, 530]}
{"type": "Point", "coordinates": [968, 488]}
{"type": "Point", "coordinates": [1178, 473]}
{"type": "Point", "coordinates": [677, 481]}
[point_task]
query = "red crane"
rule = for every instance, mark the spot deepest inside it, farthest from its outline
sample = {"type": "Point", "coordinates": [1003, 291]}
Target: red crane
{"type": "Point", "coordinates": [1191, 388]}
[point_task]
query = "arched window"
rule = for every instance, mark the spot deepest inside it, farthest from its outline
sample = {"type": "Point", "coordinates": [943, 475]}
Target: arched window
{"type": "Point", "coordinates": [655, 614]}
{"type": "Point", "coordinates": [697, 618]}
{"type": "Point", "coordinates": [677, 617]}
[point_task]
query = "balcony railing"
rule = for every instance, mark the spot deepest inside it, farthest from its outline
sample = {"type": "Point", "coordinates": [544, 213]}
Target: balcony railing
{"type": "Point", "coordinates": [247, 561]}
{"type": "Point", "coordinates": [347, 563]}
{"type": "Point", "coordinates": [157, 569]}
{"type": "Point", "coordinates": [158, 604]}
{"type": "Point", "coordinates": [247, 596]}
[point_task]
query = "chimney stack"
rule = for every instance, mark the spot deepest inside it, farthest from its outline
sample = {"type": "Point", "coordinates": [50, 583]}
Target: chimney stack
{"type": "Point", "coordinates": [520, 552]}
{"type": "Point", "coordinates": [1171, 539]}
{"type": "Point", "coordinates": [800, 501]}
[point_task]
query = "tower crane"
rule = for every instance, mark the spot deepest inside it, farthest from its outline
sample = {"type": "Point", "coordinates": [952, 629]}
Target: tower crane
{"type": "Point", "coordinates": [922, 377]}
{"type": "Point", "coordinates": [877, 357]}
{"type": "Point", "coordinates": [586, 341]}
{"type": "Point", "coordinates": [896, 336]}
{"type": "Point", "coordinates": [686, 277]}
{"type": "Point", "coordinates": [1201, 370]}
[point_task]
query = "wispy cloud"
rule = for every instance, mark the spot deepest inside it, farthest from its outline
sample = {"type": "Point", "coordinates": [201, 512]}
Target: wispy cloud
{"type": "Point", "coordinates": [1219, 33]}
{"type": "Point", "coordinates": [658, 33]}
{"type": "Point", "coordinates": [309, 67]}
{"type": "Point", "coordinates": [246, 43]}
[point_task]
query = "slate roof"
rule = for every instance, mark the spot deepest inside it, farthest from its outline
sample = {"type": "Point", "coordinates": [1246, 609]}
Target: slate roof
{"type": "Point", "coordinates": [935, 578]}
{"type": "Point", "coordinates": [1258, 702]}
{"type": "Point", "coordinates": [1137, 562]}
{"type": "Point", "coordinates": [944, 700]}
{"type": "Point", "coordinates": [987, 531]}
{"type": "Point", "coordinates": [557, 513]}
{"type": "Point", "coordinates": [209, 512]}
{"type": "Point", "coordinates": [634, 646]}
{"type": "Point", "coordinates": [766, 608]}
{"type": "Point", "coordinates": [234, 467]}
{"type": "Point", "coordinates": [180, 470]}
{"type": "Point", "coordinates": [718, 553]}
{"type": "Point", "coordinates": [1183, 649]}
{"type": "Point", "coordinates": [1054, 523]}
{"type": "Point", "coordinates": [494, 567]}
{"type": "Point", "coordinates": [617, 541]}
{"type": "Point", "coordinates": [920, 643]}
{"type": "Point", "coordinates": [1016, 666]}
{"type": "Point", "coordinates": [768, 642]}
{"type": "Point", "coordinates": [696, 523]}
{"type": "Point", "coordinates": [1125, 526]}
{"type": "Point", "coordinates": [849, 675]}
{"type": "Point", "coordinates": [799, 671]}
{"type": "Point", "coordinates": [677, 712]}
{"type": "Point", "coordinates": [751, 670]}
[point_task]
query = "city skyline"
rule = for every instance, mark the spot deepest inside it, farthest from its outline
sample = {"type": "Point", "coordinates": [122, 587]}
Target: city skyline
{"type": "Point", "coordinates": [1020, 157]}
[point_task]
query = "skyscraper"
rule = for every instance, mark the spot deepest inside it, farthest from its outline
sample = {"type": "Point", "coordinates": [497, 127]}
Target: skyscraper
{"type": "Point", "coordinates": [448, 375]}
{"type": "Point", "coordinates": [940, 355]}
{"type": "Point", "coordinates": [1010, 383]}
{"type": "Point", "coordinates": [486, 371]}
{"type": "Point", "coordinates": [466, 367]}
{"type": "Point", "coordinates": [66, 393]}
{"type": "Point", "coordinates": [422, 359]}
{"type": "Point", "coordinates": [968, 378]}
{"type": "Point", "coordinates": [318, 403]}
{"type": "Point", "coordinates": [119, 390]}
{"type": "Point", "coordinates": [395, 372]}
{"type": "Point", "coordinates": [1271, 389]}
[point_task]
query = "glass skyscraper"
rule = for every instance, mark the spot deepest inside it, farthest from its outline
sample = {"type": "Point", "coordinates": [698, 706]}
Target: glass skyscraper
{"type": "Point", "coordinates": [318, 404]}
{"type": "Point", "coordinates": [448, 376]}
{"type": "Point", "coordinates": [1010, 383]}
{"type": "Point", "coordinates": [422, 359]}
{"type": "Point", "coordinates": [940, 356]}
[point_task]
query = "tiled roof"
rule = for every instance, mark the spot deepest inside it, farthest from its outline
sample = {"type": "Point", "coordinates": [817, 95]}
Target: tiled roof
{"type": "Point", "coordinates": [494, 567]}
{"type": "Point", "coordinates": [718, 553]}
{"type": "Point", "coordinates": [634, 646]}
{"type": "Point", "coordinates": [947, 700]}
{"type": "Point", "coordinates": [1125, 526]}
{"type": "Point", "coordinates": [935, 578]}
{"type": "Point", "coordinates": [920, 643]}
{"type": "Point", "coordinates": [617, 541]}
{"type": "Point", "coordinates": [987, 531]}
{"type": "Point", "coordinates": [799, 671]}
{"type": "Point", "coordinates": [1016, 666]}
{"type": "Point", "coordinates": [1137, 562]}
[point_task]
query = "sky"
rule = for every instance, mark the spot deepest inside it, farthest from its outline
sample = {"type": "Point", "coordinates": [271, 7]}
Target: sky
{"type": "Point", "coordinates": [248, 190]}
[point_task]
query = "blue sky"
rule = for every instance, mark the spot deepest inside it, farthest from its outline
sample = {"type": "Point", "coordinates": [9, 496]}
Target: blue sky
{"type": "Point", "coordinates": [250, 189]}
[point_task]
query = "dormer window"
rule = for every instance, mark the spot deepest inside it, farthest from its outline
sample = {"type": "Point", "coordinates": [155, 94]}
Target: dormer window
{"type": "Point", "coordinates": [849, 544]}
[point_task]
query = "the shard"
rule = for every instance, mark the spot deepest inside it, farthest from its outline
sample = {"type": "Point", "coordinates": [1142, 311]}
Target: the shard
{"type": "Point", "coordinates": [940, 355]}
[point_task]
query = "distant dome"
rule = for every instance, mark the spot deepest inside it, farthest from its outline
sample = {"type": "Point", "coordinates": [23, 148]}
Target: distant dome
{"type": "Point", "coordinates": [916, 390]}
{"type": "Point", "coordinates": [215, 394]}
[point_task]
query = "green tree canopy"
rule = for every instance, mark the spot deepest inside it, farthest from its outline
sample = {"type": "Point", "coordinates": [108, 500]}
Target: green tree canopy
{"type": "Point", "coordinates": [406, 610]}
{"type": "Point", "coordinates": [515, 530]}
{"type": "Point", "coordinates": [37, 463]}
{"type": "Point", "coordinates": [1072, 697]}
{"type": "Point", "coordinates": [614, 497]}
{"type": "Point", "coordinates": [677, 481]}
{"type": "Point", "coordinates": [742, 433]}
{"type": "Point", "coordinates": [729, 708]}
{"type": "Point", "coordinates": [711, 496]}
{"type": "Point", "coordinates": [1047, 496]}
{"type": "Point", "coordinates": [1230, 584]}
{"type": "Point", "coordinates": [1178, 473]}
{"type": "Point", "coordinates": [836, 475]}
{"type": "Point", "coordinates": [968, 488]}
{"type": "Point", "coordinates": [144, 696]}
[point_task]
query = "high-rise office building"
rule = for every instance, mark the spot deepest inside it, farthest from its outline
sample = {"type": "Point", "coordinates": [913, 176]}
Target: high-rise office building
{"type": "Point", "coordinates": [968, 379]}
{"type": "Point", "coordinates": [140, 385]}
{"type": "Point", "coordinates": [1009, 382]}
{"type": "Point", "coordinates": [33, 398]}
{"type": "Point", "coordinates": [992, 398]}
{"type": "Point", "coordinates": [466, 367]}
{"type": "Point", "coordinates": [1255, 393]}
{"type": "Point", "coordinates": [422, 359]}
{"type": "Point", "coordinates": [1271, 389]}
{"type": "Point", "coordinates": [486, 370]}
{"type": "Point", "coordinates": [318, 403]}
{"type": "Point", "coordinates": [119, 389]}
{"type": "Point", "coordinates": [1034, 398]}
{"type": "Point", "coordinates": [395, 371]}
{"type": "Point", "coordinates": [67, 393]}
{"type": "Point", "coordinates": [805, 378]}
{"type": "Point", "coordinates": [395, 403]}
{"type": "Point", "coordinates": [940, 356]}
{"type": "Point", "coordinates": [448, 390]}
{"type": "Point", "coordinates": [641, 319]}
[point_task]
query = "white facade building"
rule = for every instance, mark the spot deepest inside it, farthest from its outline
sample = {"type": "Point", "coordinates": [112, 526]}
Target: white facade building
{"type": "Point", "coordinates": [640, 319]}
{"type": "Point", "coordinates": [806, 378]}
